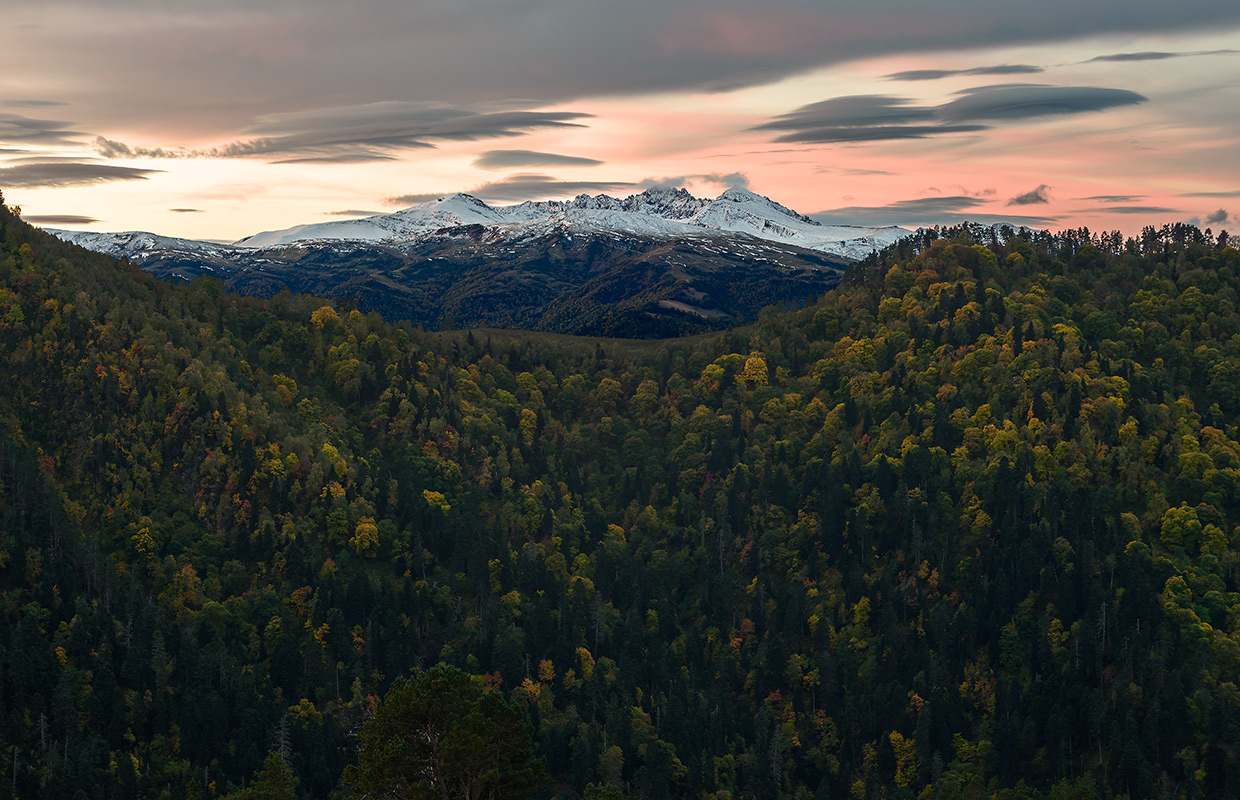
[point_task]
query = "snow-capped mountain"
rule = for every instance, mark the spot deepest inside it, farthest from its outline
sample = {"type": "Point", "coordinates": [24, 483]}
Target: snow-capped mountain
{"type": "Point", "coordinates": [659, 263]}
{"type": "Point", "coordinates": [669, 213]}
{"type": "Point", "coordinates": [135, 245]}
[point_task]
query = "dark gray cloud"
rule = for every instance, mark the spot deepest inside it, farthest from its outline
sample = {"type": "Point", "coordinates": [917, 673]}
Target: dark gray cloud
{"type": "Point", "coordinates": [60, 173]}
{"type": "Point", "coordinates": [1032, 197]}
{"type": "Point", "coordinates": [874, 118]}
{"type": "Point", "coordinates": [516, 188]}
{"type": "Point", "coordinates": [950, 210]}
{"type": "Point", "coordinates": [1115, 198]}
{"type": "Point", "coordinates": [19, 103]}
{"type": "Point", "coordinates": [354, 212]}
{"type": "Point", "coordinates": [23, 130]}
{"type": "Point", "coordinates": [1235, 193]}
{"type": "Point", "coordinates": [859, 118]}
{"type": "Point", "coordinates": [875, 133]}
{"type": "Point", "coordinates": [1158, 55]}
{"type": "Point", "coordinates": [59, 219]}
{"type": "Point", "coordinates": [1130, 210]}
{"type": "Point", "coordinates": [515, 159]}
{"type": "Point", "coordinates": [209, 69]}
{"type": "Point", "coordinates": [1219, 217]}
{"type": "Point", "coordinates": [937, 74]}
{"type": "Point", "coordinates": [187, 210]}
{"type": "Point", "coordinates": [857, 110]}
{"type": "Point", "coordinates": [349, 134]}
{"type": "Point", "coordinates": [1025, 102]}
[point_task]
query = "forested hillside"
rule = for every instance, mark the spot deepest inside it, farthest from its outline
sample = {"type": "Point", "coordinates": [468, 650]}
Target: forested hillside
{"type": "Point", "coordinates": [968, 527]}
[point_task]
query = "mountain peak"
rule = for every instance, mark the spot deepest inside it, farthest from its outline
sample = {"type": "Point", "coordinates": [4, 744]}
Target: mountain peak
{"type": "Point", "coordinates": [662, 212]}
{"type": "Point", "coordinates": [738, 196]}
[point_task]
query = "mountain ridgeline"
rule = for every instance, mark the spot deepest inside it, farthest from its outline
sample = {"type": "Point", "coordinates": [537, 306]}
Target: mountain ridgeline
{"type": "Point", "coordinates": [657, 264]}
{"type": "Point", "coordinates": [965, 527]}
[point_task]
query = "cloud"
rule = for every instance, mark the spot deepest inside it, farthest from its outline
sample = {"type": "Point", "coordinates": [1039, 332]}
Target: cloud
{"type": "Point", "coordinates": [523, 186]}
{"type": "Point", "coordinates": [1218, 217]}
{"type": "Point", "coordinates": [19, 103]}
{"type": "Point", "coordinates": [937, 74]}
{"type": "Point", "coordinates": [340, 158]}
{"type": "Point", "coordinates": [1032, 197]}
{"type": "Point", "coordinates": [414, 199]}
{"type": "Point", "coordinates": [59, 219]}
{"type": "Point", "coordinates": [1235, 193]}
{"type": "Point", "coordinates": [857, 110]}
{"type": "Point", "coordinates": [874, 118]}
{"type": "Point", "coordinates": [350, 134]}
{"type": "Point", "coordinates": [1025, 102]}
{"type": "Point", "coordinates": [353, 212]}
{"type": "Point", "coordinates": [1115, 198]}
{"type": "Point", "coordinates": [732, 180]}
{"type": "Point", "coordinates": [23, 130]}
{"type": "Point", "coordinates": [1157, 55]}
{"type": "Point", "coordinates": [186, 210]}
{"type": "Point", "coordinates": [875, 133]}
{"type": "Point", "coordinates": [203, 69]}
{"type": "Point", "coordinates": [59, 174]}
{"type": "Point", "coordinates": [515, 159]}
{"type": "Point", "coordinates": [1131, 210]}
{"type": "Point", "coordinates": [950, 210]}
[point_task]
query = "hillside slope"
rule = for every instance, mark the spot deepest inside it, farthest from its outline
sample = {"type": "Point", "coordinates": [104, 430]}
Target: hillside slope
{"type": "Point", "coordinates": [965, 528]}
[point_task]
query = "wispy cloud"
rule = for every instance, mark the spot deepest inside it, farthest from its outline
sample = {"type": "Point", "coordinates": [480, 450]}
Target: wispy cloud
{"type": "Point", "coordinates": [1115, 198]}
{"type": "Point", "coordinates": [947, 210]}
{"type": "Point", "coordinates": [937, 74]}
{"type": "Point", "coordinates": [28, 103]}
{"type": "Point", "coordinates": [520, 187]}
{"type": "Point", "coordinates": [872, 118]}
{"type": "Point", "coordinates": [1026, 102]}
{"type": "Point", "coordinates": [516, 159]}
{"type": "Point", "coordinates": [1040, 195]}
{"type": "Point", "coordinates": [349, 134]}
{"type": "Point", "coordinates": [1235, 193]}
{"type": "Point", "coordinates": [1158, 55]}
{"type": "Point", "coordinates": [60, 174]}
{"type": "Point", "coordinates": [1131, 210]}
{"type": "Point", "coordinates": [59, 219]}
{"type": "Point", "coordinates": [524, 186]}
{"type": "Point", "coordinates": [738, 180]}
{"type": "Point", "coordinates": [354, 212]}
{"type": "Point", "coordinates": [414, 199]}
{"type": "Point", "coordinates": [186, 210]}
{"type": "Point", "coordinates": [23, 130]}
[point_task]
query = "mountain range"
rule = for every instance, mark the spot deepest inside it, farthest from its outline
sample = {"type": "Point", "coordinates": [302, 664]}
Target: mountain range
{"type": "Point", "coordinates": [658, 263]}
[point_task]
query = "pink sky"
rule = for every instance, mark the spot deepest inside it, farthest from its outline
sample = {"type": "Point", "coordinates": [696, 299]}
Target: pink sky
{"type": "Point", "coordinates": [1146, 134]}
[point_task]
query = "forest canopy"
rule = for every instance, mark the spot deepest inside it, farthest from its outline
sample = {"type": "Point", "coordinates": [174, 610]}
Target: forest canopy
{"type": "Point", "coordinates": [966, 527]}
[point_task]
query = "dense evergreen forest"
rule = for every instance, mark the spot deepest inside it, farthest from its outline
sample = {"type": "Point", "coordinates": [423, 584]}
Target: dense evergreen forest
{"type": "Point", "coordinates": [966, 527]}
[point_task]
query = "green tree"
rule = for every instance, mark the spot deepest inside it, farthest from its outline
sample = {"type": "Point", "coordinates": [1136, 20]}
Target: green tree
{"type": "Point", "coordinates": [275, 781]}
{"type": "Point", "coordinates": [440, 734]}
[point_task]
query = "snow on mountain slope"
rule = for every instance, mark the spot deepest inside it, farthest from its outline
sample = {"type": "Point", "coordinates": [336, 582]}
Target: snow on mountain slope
{"type": "Point", "coordinates": [444, 212]}
{"type": "Point", "coordinates": [654, 212]}
{"type": "Point", "coordinates": [129, 244]}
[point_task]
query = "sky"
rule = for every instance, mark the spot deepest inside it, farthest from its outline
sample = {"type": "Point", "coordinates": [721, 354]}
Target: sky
{"type": "Point", "coordinates": [218, 120]}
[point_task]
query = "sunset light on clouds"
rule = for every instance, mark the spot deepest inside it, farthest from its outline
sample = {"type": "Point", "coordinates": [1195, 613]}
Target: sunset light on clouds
{"type": "Point", "coordinates": [217, 124]}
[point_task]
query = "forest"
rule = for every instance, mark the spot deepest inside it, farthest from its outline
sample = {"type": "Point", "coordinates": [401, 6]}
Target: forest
{"type": "Point", "coordinates": [965, 527]}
